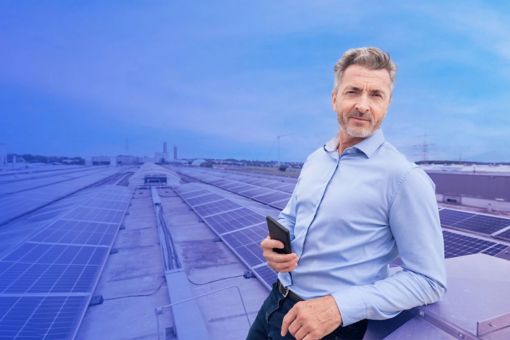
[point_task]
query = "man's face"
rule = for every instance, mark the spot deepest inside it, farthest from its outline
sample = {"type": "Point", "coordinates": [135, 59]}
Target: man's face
{"type": "Point", "coordinates": [361, 100]}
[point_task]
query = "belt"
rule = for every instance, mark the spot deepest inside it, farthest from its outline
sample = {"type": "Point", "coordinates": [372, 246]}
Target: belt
{"type": "Point", "coordinates": [287, 293]}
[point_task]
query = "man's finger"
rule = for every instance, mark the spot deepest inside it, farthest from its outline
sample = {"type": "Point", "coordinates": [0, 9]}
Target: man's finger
{"type": "Point", "coordinates": [299, 332]}
{"type": "Point", "coordinates": [270, 243]}
{"type": "Point", "coordinates": [280, 258]}
{"type": "Point", "coordinates": [309, 337]}
{"type": "Point", "coordinates": [287, 320]}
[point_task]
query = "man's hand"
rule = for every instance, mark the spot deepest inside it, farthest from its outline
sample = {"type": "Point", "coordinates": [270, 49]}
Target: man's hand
{"type": "Point", "coordinates": [282, 263]}
{"type": "Point", "coordinates": [312, 319]}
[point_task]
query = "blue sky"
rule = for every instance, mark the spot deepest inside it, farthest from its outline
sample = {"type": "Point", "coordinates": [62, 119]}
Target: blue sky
{"type": "Point", "coordinates": [225, 78]}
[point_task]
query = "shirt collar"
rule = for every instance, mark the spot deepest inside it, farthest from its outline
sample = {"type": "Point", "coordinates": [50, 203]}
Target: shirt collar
{"type": "Point", "coordinates": [368, 146]}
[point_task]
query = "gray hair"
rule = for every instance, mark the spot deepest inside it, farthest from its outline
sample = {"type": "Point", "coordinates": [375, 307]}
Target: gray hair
{"type": "Point", "coordinates": [372, 58]}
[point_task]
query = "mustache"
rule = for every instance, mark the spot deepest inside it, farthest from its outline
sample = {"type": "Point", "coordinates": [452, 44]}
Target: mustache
{"type": "Point", "coordinates": [359, 114]}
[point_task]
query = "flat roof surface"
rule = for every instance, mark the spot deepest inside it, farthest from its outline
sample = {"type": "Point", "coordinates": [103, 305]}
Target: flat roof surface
{"type": "Point", "coordinates": [209, 221]}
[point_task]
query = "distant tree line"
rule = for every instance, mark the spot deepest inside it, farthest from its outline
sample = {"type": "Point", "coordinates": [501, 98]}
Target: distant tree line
{"type": "Point", "coordinates": [29, 158]}
{"type": "Point", "coordinates": [446, 162]}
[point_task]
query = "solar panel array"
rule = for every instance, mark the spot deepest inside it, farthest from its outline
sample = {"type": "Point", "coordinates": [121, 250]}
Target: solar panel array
{"type": "Point", "coordinates": [18, 197]}
{"type": "Point", "coordinates": [267, 190]}
{"type": "Point", "coordinates": [240, 228]}
{"type": "Point", "coordinates": [477, 223]}
{"type": "Point", "coordinates": [460, 245]}
{"type": "Point", "coordinates": [236, 225]}
{"type": "Point", "coordinates": [46, 282]}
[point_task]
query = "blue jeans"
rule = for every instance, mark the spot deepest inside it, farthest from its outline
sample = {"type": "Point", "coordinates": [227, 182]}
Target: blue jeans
{"type": "Point", "coordinates": [268, 322]}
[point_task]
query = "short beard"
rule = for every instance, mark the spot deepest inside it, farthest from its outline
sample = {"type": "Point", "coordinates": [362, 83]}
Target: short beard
{"type": "Point", "coordinates": [358, 132]}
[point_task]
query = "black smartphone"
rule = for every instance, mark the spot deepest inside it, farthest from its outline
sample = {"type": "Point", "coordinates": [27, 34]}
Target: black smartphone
{"type": "Point", "coordinates": [280, 233]}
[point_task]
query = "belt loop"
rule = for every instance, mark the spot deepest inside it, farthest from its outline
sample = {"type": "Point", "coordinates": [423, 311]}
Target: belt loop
{"type": "Point", "coordinates": [286, 291]}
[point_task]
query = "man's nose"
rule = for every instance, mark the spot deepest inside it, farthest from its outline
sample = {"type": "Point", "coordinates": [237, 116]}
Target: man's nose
{"type": "Point", "coordinates": [362, 105]}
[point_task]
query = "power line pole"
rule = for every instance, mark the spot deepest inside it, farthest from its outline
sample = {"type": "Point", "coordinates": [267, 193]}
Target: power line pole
{"type": "Point", "coordinates": [278, 137]}
{"type": "Point", "coordinates": [424, 148]}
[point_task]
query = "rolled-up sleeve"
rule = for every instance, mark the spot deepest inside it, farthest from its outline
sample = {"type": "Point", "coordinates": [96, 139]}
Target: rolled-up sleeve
{"type": "Point", "coordinates": [414, 222]}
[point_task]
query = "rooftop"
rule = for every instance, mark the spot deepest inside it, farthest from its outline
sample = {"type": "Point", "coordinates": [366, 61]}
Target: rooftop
{"type": "Point", "coordinates": [90, 252]}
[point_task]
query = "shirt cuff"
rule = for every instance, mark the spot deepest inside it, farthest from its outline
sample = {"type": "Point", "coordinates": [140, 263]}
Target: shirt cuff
{"type": "Point", "coordinates": [351, 304]}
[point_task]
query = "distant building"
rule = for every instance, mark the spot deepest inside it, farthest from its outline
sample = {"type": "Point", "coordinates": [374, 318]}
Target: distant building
{"type": "Point", "coordinates": [128, 160]}
{"type": "Point", "coordinates": [101, 160]}
{"type": "Point", "coordinates": [175, 153]}
{"type": "Point", "coordinates": [483, 190]}
{"type": "Point", "coordinates": [162, 157]}
{"type": "Point", "coordinates": [198, 162]}
{"type": "Point", "coordinates": [3, 154]}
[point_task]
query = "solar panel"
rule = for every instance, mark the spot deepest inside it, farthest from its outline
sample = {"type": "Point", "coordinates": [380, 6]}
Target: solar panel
{"type": "Point", "coordinates": [23, 278]}
{"type": "Point", "coordinates": [56, 253]}
{"type": "Point", "coordinates": [218, 182]}
{"type": "Point", "coordinates": [504, 235]}
{"type": "Point", "coordinates": [95, 215]}
{"type": "Point", "coordinates": [38, 268]}
{"type": "Point", "coordinates": [46, 215]}
{"type": "Point", "coordinates": [246, 236]}
{"type": "Point", "coordinates": [483, 224]}
{"type": "Point", "coordinates": [77, 232]}
{"type": "Point", "coordinates": [272, 197]}
{"type": "Point", "coordinates": [254, 192]}
{"type": "Point", "coordinates": [233, 220]}
{"type": "Point", "coordinates": [267, 275]}
{"type": "Point", "coordinates": [460, 245]}
{"type": "Point", "coordinates": [451, 217]}
{"type": "Point", "coordinates": [192, 193]}
{"type": "Point", "coordinates": [252, 180]}
{"type": "Point", "coordinates": [280, 204]}
{"type": "Point", "coordinates": [50, 317]}
{"type": "Point", "coordinates": [249, 257]}
{"type": "Point", "coordinates": [246, 243]}
{"type": "Point", "coordinates": [281, 186]}
{"type": "Point", "coordinates": [240, 187]}
{"type": "Point", "coordinates": [233, 186]}
{"type": "Point", "coordinates": [203, 199]}
{"type": "Point", "coordinates": [216, 207]}
{"type": "Point", "coordinates": [495, 250]}
{"type": "Point", "coordinates": [106, 204]}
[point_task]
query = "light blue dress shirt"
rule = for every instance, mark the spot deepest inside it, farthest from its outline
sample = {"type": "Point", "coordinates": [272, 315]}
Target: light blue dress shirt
{"type": "Point", "coordinates": [350, 215]}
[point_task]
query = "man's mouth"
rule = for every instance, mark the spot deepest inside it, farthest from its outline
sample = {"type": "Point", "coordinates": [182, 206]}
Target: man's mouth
{"type": "Point", "coordinates": [360, 119]}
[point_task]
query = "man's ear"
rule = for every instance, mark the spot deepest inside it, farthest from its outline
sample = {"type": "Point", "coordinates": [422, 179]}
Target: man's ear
{"type": "Point", "coordinates": [334, 94]}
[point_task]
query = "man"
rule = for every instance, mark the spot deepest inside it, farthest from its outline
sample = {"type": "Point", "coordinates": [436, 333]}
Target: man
{"type": "Point", "coordinates": [357, 205]}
